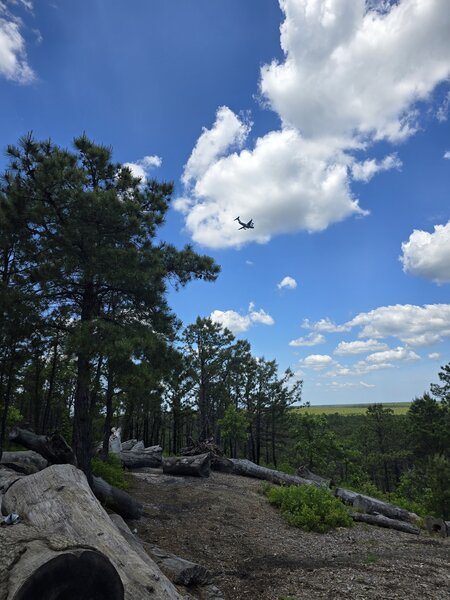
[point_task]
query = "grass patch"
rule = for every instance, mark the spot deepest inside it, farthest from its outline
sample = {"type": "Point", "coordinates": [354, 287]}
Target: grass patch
{"type": "Point", "coordinates": [309, 507]}
{"type": "Point", "coordinates": [399, 408]}
{"type": "Point", "coordinates": [110, 470]}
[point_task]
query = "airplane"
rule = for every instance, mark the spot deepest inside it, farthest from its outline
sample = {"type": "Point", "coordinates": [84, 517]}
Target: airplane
{"type": "Point", "coordinates": [249, 225]}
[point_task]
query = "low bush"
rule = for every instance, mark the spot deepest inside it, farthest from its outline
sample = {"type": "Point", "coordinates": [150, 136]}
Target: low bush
{"type": "Point", "coordinates": [309, 507]}
{"type": "Point", "coordinates": [110, 470]}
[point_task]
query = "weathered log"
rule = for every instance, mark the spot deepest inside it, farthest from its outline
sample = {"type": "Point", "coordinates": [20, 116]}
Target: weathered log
{"type": "Point", "coordinates": [26, 461]}
{"type": "Point", "coordinates": [436, 526]}
{"type": "Point", "coordinates": [117, 500]}
{"type": "Point", "coordinates": [382, 521]}
{"type": "Point", "coordinates": [371, 505]}
{"type": "Point", "coordinates": [128, 444]}
{"type": "Point", "coordinates": [307, 474]}
{"type": "Point", "coordinates": [70, 544]}
{"type": "Point", "coordinates": [221, 464]}
{"type": "Point", "coordinates": [201, 447]}
{"type": "Point", "coordinates": [145, 458]}
{"type": "Point", "coordinates": [242, 466]}
{"type": "Point", "coordinates": [199, 465]}
{"type": "Point", "coordinates": [178, 570]}
{"type": "Point", "coordinates": [52, 447]}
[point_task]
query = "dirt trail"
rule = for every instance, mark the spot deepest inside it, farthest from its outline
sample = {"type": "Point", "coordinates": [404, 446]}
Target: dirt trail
{"type": "Point", "coordinates": [225, 523]}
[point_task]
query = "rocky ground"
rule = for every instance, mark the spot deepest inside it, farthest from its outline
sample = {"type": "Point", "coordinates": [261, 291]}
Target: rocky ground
{"type": "Point", "coordinates": [225, 523]}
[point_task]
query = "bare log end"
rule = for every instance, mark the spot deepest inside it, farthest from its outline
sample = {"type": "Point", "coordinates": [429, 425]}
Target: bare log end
{"type": "Point", "coordinates": [74, 575]}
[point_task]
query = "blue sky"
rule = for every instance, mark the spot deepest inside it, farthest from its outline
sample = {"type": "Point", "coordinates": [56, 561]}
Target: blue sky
{"type": "Point", "coordinates": [332, 133]}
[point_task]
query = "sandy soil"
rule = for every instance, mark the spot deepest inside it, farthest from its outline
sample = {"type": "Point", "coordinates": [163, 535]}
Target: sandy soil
{"type": "Point", "coordinates": [225, 523]}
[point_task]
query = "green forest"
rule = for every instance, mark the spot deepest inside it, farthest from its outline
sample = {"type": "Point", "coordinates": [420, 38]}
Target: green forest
{"type": "Point", "coordinates": [88, 342]}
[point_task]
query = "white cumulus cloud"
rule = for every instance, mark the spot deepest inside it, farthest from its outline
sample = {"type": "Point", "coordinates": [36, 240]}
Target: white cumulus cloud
{"type": "Point", "coordinates": [428, 254]}
{"type": "Point", "coordinates": [143, 167]}
{"type": "Point", "coordinates": [353, 73]}
{"type": "Point", "coordinates": [13, 56]}
{"type": "Point", "coordinates": [317, 361]}
{"type": "Point", "coordinates": [398, 353]}
{"type": "Point", "coordinates": [359, 347]}
{"type": "Point", "coordinates": [366, 170]}
{"type": "Point", "coordinates": [434, 356]}
{"type": "Point", "coordinates": [411, 324]}
{"type": "Point", "coordinates": [447, 154]}
{"type": "Point", "coordinates": [313, 339]}
{"type": "Point", "coordinates": [287, 282]}
{"type": "Point", "coordinates": [238, 323]}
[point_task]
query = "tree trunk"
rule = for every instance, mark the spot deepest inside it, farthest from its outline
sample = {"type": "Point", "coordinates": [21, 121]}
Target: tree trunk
{"type": "Point", "coordinates": [382, 521]}
{"type": "Point", "coordinates": [26, 462]}
{"type": "Point", "coordinates": [198, 465]}
{"type": "Point", "coordinates": [117, 500]}
{"type": "Point", "coordinates": [242, 466]}
{"type": "Point", "coordinates": [132, 459]}
{"type": "Point", "coordinates": [178, 570]}
{"type": "Point", "coordinates": [68, 547]}
{"type": "Point", "coordinates": [51, 383]}
{"type": "Point", "coordinates": [53, 448]}
{"type": "Point", "coordinates": [373, 505]}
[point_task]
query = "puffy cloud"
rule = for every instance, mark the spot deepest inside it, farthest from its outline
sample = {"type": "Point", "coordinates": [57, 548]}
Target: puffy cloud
{"type": "Point", "coordinates": [428, 254]}
{"type": "Point", "coordinates": [287, 282]}
{"type": "Point", "coordinates": [238, 323]}
{"type": "Point", "coordinates": [411, 324]}
{"type": "Point", "coordinates": [313, 339]}
{"type": "Point", "coordinates": [398, 353]}
{"type": "Point", "coordinates": [447, 154]}
{"type": "Point", "coordinates": [227, 131]}
{"type": "Point", "coordinates": [434, 356]}
{"type": "Point", "coordinates": [325, 325]}
{"type": "Point", "coordinates": [359, 347]}
{"type": "Point", "coordinates": [13, 56]}
{"type": "Point", "coordinates": [317, 361]}
{"type": "Point", "coordinates": [350, 70]}
{"type": "Point", "coordinates": [353, 73]}
{"type": "Point", "coordinates": [366, 170]}
{"type": "Point", "coordinates": [142, 167]}
{"type": "Point", "coordinates": [285, 184]}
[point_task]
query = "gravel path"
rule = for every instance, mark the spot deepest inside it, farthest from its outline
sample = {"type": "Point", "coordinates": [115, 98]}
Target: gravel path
{"type": "Point", "coordinates": [225, 523]}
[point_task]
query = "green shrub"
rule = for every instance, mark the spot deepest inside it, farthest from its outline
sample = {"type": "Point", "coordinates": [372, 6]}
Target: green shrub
{"type": "Point", "coordinates": [309, 507]}
{"type": "Point", "coordinates": [110, 470]}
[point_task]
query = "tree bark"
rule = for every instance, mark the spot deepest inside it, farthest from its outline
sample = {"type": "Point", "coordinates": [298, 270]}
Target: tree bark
{"type": "Point", "coordinates": [371, 505]}
{"type": "Point", "coordinates": [69, 545]}
{"type": "Point", "coordinates": [53, 448]}
{"type": "Point", "coordinates": [242, 466]}
{"type": "Point", "coordinates": [178, 570]}
{"type": "Point", "coordinates": [307, 474]}
{"type": "Point", "coordinates": [199, 465]}
{"type": "Point", "coordinates": [26, 462]}
{"type": "Point", "coordinates": [132, 459]}
{"type": "Point", "coordinates": [382, 521]}
{"type": "Point", "coordinates": [56, 450]}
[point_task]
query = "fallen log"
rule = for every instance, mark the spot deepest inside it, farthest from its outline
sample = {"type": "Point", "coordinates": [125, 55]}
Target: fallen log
{"type": "Point", "coordinates": [132, 459]}
{"type": "Point", "coordinates": [307, 474]}
{"type": "Point", "coordinates": [221, 464]}
{"type": "Point", "coordinates": [53, 448]}
{"type": "Point", "coordinates": [178, 570]}
{"type": "Point", "coordinates": [198, 466]}
{"type": "Point", "coordinates": [242, 466]}
{"type": "Point", "coordinates": [68, 547]}
{"type": "Point", "coordinates": [436, 526]}
{"type": "Point", "coordinates": [117, 500]}
{"type": "Point", "coordinates": [26, 461]}
{"type": "Point", "coordinates": [371, 505]}
{"type": "Point", "coordinates": [382, 521]}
